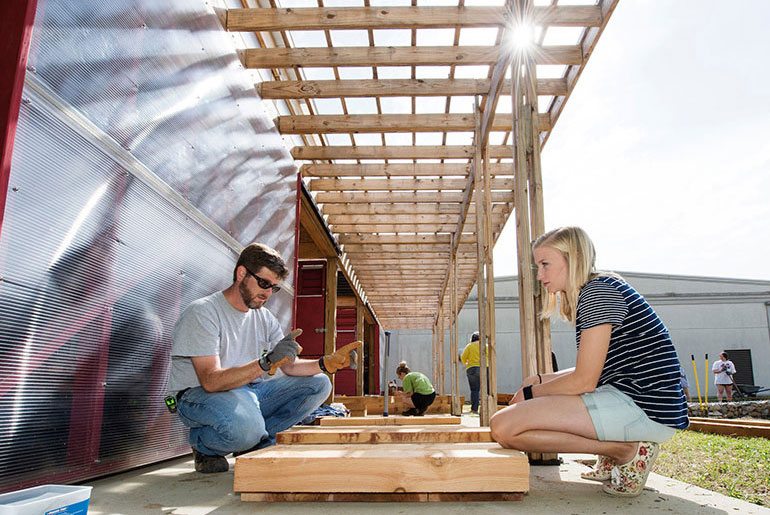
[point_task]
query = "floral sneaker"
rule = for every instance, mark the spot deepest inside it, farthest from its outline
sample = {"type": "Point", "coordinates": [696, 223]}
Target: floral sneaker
{"type": "Point", "coordinates": [601, 471]}
{"type": "Point", "coordinates": [628, 480]}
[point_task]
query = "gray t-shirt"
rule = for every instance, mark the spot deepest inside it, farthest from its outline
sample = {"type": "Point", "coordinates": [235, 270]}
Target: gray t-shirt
{"type": "Point", "coordinates": [211, 326]}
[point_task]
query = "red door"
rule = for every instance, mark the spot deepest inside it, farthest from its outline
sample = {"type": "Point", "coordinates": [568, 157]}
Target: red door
{"type": "Point", "coordinates": [345, 379]}
{"type": "Point", "coordinates": [311, 286]}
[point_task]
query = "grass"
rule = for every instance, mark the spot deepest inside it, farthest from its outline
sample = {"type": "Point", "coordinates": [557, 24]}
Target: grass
{"type": "Point", "coordinates": [735, 466]}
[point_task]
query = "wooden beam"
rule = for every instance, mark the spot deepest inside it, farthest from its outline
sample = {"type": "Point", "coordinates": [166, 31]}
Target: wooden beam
{"type": "Point", "coordinates": [362, 352]}
{"type": "Point", "coordinates": [399, 184]}
{"type": "Point", "coordinates": [369, 209]}
{"type": "Point", "coordinates": [402, 197]}
{"type": "Point", "coordinates": [416, 247]}
{"type": "Point", "coordinates": [386, 170]}
{"type": "Point", "coordinates": [390, 123]}
{"type": "Point", "coordinates": [400, 239]}
{"type": "Point", "coordinates": [381, 17]}
{"type": "Point", "coordinates": [391, 219]}
{"type": "Point", "coordinates": [396, 152]}
{"type": "Point", "coordinates": [400, 170]}
{"type": "Point", "coordinates": [393, 88]}
{"type": "Point", "coordinates": [404, 228]}
{"type": "Point", "coordinates": [314, 229]}
{"type": "Point", "coordinates": [330, 313]}
{"type": "Point", "coordinates": [281, 57]}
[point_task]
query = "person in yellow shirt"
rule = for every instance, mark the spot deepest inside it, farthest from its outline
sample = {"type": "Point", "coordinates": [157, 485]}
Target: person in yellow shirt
{"type": "Point", "coordinates": [470, 358]}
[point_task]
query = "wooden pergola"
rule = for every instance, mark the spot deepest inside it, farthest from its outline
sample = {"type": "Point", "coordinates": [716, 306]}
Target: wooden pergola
{"type": "Point", "coordinates": [420, 130]}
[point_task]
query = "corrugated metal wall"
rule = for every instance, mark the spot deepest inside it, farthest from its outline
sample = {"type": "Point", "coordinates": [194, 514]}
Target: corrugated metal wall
{"type": "Point", "coordinates": [141, 165]}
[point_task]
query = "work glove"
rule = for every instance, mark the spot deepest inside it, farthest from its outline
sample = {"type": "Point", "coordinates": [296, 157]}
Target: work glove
{"type": "Point", "coordinates": [285, 351]}
{"type": "Point", "coordinates": [345, 356]}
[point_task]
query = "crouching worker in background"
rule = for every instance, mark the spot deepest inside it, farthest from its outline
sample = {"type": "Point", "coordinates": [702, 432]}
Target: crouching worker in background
{"type": "Point", "coordinates": [418, 392]}
{"type": "Point", "coordinates": [623, 397]}
{"type": "Point", "coordinates": [225, 348]}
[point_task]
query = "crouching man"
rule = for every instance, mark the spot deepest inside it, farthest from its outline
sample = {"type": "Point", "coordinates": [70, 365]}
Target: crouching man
{"type": "Point", "coordinates": [225, 348]}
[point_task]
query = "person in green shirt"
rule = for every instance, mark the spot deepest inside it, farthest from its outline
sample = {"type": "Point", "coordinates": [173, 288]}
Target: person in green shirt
{"type": "Point", "coordinates": [418, 392]}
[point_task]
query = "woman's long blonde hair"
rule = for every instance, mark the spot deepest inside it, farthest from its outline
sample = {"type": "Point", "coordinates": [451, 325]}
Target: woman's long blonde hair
{"type": "Point", "coordinates": [578, 249]}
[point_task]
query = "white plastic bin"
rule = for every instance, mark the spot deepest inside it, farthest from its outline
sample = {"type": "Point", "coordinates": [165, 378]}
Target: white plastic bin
{"type": "Point", "coordinates": [46, 500]}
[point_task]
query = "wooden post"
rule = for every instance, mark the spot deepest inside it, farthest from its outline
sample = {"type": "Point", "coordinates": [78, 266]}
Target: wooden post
{"type": "Point", "coordinates": [330, 315]}
{"type": "Point", "coordinates": [457, 408]}
{"type": "Point", "coordinates": [542, 327]}
{"type": "Point", "coordinates": [490, 277]}
{"type": "Point", "coordinates": [441, 353]}
{"type": "Point", "coordinates": [530, 223]}
{"type": "Point", "coordinates": [435, 351]}
{"type": "Point", "coordinates": [362, 353]}
{"type": "Point", "coordinates": [523, 241]}
{"type": "Point", "coordinates": [482, 249]}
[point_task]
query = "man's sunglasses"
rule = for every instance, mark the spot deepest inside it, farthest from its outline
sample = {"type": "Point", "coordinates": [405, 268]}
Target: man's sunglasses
{"type": "Point", "coordinates": [263, 283]}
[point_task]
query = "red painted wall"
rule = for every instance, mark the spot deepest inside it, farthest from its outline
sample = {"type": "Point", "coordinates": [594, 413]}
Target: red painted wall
{"type": "Point", "coordinates": [16, 20]}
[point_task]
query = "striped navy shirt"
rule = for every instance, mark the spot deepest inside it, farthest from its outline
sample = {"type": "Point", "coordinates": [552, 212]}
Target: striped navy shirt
{"type": "Point", "coordinates": [641, 359]}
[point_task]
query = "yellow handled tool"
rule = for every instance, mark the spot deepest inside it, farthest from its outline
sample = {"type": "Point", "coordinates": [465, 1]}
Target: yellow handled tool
{"type": "Point", "coordinates": [695, 370]}
{"type": "Point", "coordinates": [706, 395]}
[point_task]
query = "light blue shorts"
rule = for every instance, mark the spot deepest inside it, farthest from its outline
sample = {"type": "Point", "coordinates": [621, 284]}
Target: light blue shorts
{"type": "Point", "coordinates": [617, 419]}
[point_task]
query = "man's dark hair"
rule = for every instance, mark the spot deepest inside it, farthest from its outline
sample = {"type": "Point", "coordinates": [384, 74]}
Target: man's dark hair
{"type": "Point", "coordinates": [257, 255]}
{"type": "Point", "coordinates": [724, 353]}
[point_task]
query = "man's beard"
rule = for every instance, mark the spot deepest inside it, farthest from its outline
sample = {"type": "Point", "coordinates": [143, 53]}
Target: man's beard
{"type": "Point", "coordinates": [252, 302]}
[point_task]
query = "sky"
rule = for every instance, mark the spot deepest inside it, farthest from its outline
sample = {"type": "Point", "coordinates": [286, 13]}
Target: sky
{"type": "Point", "coordinates": [661, 153]}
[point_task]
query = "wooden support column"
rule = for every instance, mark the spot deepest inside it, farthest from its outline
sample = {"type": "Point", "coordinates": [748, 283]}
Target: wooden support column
{"type": "Point", "coordinates": [527, 313]}
{"type": "Point", "coordinates": [457, 408]}
{"type": "Point", "coordinates": [530, 223]}
{"type": "Point", "coordinates": [537, 219]}
{"type": "Point", "coordinates": [360, 335]}
{"type": "Point", "coordinates": [490, 277]}
{"type": "Point", "coordinates": [330, 315]}
{"type": "Point", "coordinates": [482, 249]}
{"type": "Point", "coordinates": [442, 351]}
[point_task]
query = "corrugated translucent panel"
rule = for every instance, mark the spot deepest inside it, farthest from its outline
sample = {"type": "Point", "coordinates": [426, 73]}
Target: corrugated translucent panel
{"type": "Point", "coordinates": [163, 80]}
{"type": "Point", "coordinates": [96, 262]}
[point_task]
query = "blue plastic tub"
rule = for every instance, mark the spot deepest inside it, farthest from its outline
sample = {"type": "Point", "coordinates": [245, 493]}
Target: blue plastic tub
{"type": "Point", "coordinates": [46, 500]}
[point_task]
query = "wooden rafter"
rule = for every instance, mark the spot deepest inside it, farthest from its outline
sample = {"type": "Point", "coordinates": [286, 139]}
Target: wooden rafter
{"type": "Point", "coordinates": [394, 88]}
{"type": "Point", "coordinates": [407, 212]}
{"type": "Point", "coordinates": [402, 56]}
{"type": "Point", "coordinates": [320, 153]}
{"type": "Point", "coordinates": [329, 18]}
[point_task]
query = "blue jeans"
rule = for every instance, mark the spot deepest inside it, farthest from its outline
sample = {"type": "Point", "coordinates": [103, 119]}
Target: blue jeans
{"type": "Point", "coordinates": [241, 418]}
{"type": "Point", "coordinates": [474, 381]}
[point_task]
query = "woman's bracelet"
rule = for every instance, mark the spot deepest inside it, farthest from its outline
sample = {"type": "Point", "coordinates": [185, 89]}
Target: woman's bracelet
{"type": "Point", "coordinates": [527, 391]}
{"type": "Point", "coordinates": [540, 378]}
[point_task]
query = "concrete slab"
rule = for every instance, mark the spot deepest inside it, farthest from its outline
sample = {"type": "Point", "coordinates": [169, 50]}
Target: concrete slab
{"type": "Point", "coordinates": [173, 487]}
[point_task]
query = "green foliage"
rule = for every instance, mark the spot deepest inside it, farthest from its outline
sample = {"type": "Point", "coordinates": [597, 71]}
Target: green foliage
{"type": "Point", "coordinates": [734, 466]}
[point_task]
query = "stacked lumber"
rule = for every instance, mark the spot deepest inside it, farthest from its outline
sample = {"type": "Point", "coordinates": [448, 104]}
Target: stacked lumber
{"type": "Point", "coordinates": [383, 463]}
{"type": "Point", "coordinates": [362, 405]}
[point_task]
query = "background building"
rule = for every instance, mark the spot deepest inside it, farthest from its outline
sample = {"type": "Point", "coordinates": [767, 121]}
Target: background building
{"type": "Point", "coordinates": [705, 315]}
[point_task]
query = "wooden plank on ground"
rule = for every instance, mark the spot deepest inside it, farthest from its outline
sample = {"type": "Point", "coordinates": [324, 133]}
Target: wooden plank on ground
{"type": "Point", "coordinates": [398, 467]}
{"type": "Point", "coordinates": [374, 404]}
{"type": "Point", "coordinates": [396, 420]}
{"type": "Point", "coordinates": [726, 427]}
{"type": "Point", "coordinates": [382, 497]}
{"type": "Point", "coordinates": [379, 435]}
{"type": "Point", "coordinates": [735, 421]}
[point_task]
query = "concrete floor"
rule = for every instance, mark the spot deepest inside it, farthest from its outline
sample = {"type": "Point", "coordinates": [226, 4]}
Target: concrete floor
{"type": "Point", "coordinates": [173, 487]}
